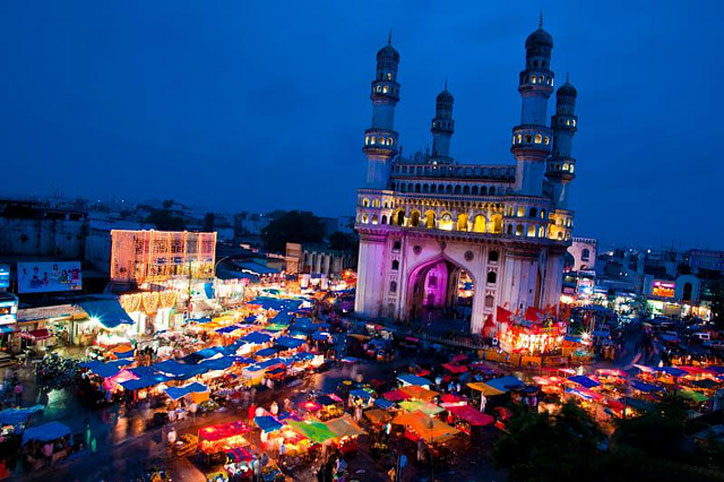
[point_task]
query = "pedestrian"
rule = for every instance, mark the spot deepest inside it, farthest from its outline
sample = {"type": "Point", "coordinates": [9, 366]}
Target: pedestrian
{"type": "Point", "coordinates": [192, 408]}
{"type": "Point", "coordinates": [282, 451]}
{"type": "Point", "coordinates": [392, 474]}
{"type": "Point", "coordinates": [274, 409]}
{"type": "Point", "coordinates": [18, 394]}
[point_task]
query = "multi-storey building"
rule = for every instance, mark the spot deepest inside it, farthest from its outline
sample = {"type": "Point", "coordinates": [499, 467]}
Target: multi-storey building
{"type": "Point", "coordinates": [430, 227]}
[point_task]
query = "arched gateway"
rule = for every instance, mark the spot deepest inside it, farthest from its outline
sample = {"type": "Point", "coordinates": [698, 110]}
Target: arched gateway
{"type": "Point", "coordinates": [439, 289]}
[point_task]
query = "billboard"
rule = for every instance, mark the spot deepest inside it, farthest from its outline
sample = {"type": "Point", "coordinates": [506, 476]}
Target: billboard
{"type": "Point", "coordinates": [44, 277]}
{"type": "Point", "coordinates": [664, 289]}
{"type": "Point", "coordinates": [4, 276]}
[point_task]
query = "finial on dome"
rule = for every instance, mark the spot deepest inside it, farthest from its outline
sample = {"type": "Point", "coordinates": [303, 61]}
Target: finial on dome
{"type": "Point", "coordinates": [389, 38]}
{"type": "Point", "coordinates": [540, 19]}
{"type": "Point", "coordinates": [445, 83]}
{"type": "Point", "coordinates": [568, 76]}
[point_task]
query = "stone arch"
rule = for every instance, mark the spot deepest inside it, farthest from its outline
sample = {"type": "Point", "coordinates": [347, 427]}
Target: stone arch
{"type": "Point", "coordinates": [430, 219]}
{"type": "Point", "coordinates": [479, 223]}
{"type": "Point", "coordinates": [462, 222]}
{"type": "Point", "coordinates": [414, 219]}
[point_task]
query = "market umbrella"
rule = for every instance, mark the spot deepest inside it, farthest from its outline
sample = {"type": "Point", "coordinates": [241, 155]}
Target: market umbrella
{"type": "Point", "coordinates": [424, 407]}
{"type": "Point", "coordinates": [344, 426]}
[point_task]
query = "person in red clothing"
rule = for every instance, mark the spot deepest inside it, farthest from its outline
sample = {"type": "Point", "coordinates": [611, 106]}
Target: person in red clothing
{"type": "Point", "coordinates": [252, 412]}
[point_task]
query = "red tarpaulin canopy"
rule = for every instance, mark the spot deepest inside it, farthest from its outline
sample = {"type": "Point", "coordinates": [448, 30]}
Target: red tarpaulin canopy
{"type": "Point", "coordinates": [222, 431]}
{"type": "Point", "coordinates": [396, 396]}
{"type": "Point", "coordinates": [454, 368]}
{"type": "Point", "coordinates": [472, 416]}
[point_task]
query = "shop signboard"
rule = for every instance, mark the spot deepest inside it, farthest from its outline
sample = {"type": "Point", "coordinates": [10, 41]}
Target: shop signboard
{"type": "Point", "coordinates": [663, 289]}
{"type": "Point", "coordinates": [8, 309]}
{"type": "Point", "coordinates": [4, 276]}
{"type": "Point", "coordinates": [45, 277]}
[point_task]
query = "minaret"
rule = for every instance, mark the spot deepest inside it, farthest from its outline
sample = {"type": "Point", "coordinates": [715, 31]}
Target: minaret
{"type": "Point", "coordinates": [381, 139]}
{"type": "Point", "coordinates": [442, 127]}
{"type": "Point", "coordinates": [532, 138]}
{"type": "Point", "coordinates": [561, 166]}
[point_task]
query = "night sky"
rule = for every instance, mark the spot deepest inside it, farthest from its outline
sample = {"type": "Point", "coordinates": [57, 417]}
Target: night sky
{"type": "Point", "coordinates": [259, 105]}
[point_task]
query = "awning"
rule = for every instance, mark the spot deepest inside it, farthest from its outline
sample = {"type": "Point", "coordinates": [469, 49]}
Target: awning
{"type": "Point", "coordinates": [424, 407]}
{"type": "Point", "coordinates": [315, 431]}
{"type": "Point", "coordinates": [410, 379]}
{"type": "Point", "coordinates": [584, 381]}
{"type": "Point", "coordinates": [344, 426]}
{"type": "Point", "coordinates": [40, 334]}
{"type": "Point", "coordinates": [109, 312]}
{"type": "Point", "coordinates": [268, 423]}
{"type": "Point", "coordinates": [430, 429]}
{"type": "Point", "coordinates": [376, 415]}
{"type": "Point", "coordinates": [472, 416]}
{"type": "Point", "coordinates": [178, 392]}
{"type": "Point", "coordinates": [418, 392]}
{"type": "Point", "coordinates": [46, 432]}
{"type": "Point", "coordinates": [485, 389]}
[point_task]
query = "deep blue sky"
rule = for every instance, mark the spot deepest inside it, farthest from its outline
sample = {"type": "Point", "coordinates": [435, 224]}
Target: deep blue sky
{"type": "Point", "coordinates": [259, 105]}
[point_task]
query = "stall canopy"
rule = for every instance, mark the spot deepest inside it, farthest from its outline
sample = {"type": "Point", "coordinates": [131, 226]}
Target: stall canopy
{"type": "Point", "coordinates": [289, 342]}
{"type": "Point", "coordinates": [40, 334]}
{"type": "Point", "coordinates": [424, 407]}
{"type": "Point", "coordinates": [105, 370]}
{"type": "Point", "coordinates": [455, 368]}
{"type": "Point", "coordinates": [472, 416]}
{"type": "Point", "coordinates": [694, 396]}
{"type": "Point", "coordinates": [409, 379]}
{"type": "Point", "coordinates": [375, 415]}
{"type": "Point", "coordinates": [179, 392]}
{"type": "Point", "coordinates": [361, 393]}
{"type": "Point", "coordinates": [485, 389]}
{"type": "Point", "coordinates": [256, 338]}
{"type": "Point", "coordinates": [344, 426]}
{"type": "Point", "coordinates": [584, 381]}
{"type": "Point", "coordinates": [46, 432]}
{"type": "Point", "coordinates": [430, 429]}
{"type": "Point", "coordinates": [14, 416]}
{"type": "Point", "coordinates": [384, 403]}
{"type": "Point", "coordinates": [395, 395]}
{"type": "Point", "coordinates": [109, 312]}
{"type": "Point", "coordinates": [418, 392]}
{"type": "Point", "coordinates": [673, 371]}
{"type": "Point", "coordinates": [644, 387]}
{"type": "Point", "coordinates": [222, 431]}
{"type": "Point", "coordinates": [268, 423]}
{"type": "Point", "coordinates": [504, 384]}
{"type": "Point", "coordinates": [315, 431]}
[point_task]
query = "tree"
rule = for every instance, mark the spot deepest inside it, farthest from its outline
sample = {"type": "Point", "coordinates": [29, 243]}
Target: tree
{"type": "Point", "coordinates": [544, 447]}
{"type": "Point", "coordinates": [342, 241]}
{"type": "Point", "coordinates": [292, 227]}
{"type": "Point", "coordinates": [165, 219]}
{"type": "Point", "coordinates": [209, 220]}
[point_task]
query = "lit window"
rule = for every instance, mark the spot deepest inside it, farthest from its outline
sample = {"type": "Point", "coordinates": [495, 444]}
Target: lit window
{"type": "Point", "coordinates": [546, 140]}
{"type": "Point", "coordinates": [379, 88]}
{"type": "Point", "coordinates": [518, 230]}
{"type": "Point", "coordinates": [521, 211]}
{"type": "Point", "coordinates": [565, 166]}
{"type": "Point", "coordinates": [541, 232]}
{"type": "Point", "coordinates": [574, 122]}
{"type": "Point", "coordinates": [385, 89]}
{"type": "Point", "coordinates": [375, 203]}
{"type": "Point", "coordinates": [366, 202]}
{"type": "Point", "coordinates": [520, 138]}
{"type": "Point", "coordinates": [531, 231]}
{"type": "Point", "coordinates": [367, 140]}
{"type": "Point", "coordinates": [533, 79]}
{"type": "Point", "coordinates": [372, 140]}
{"type": "Point", "coordinates": [513, 139]}
{"type": "Point", "coordinates": [568, 122]}
{"type": "Point", "coordinates": [392, 141]}
{"type": "Point", "coordinates": [538, 138]}
{"type": "Point", "coordinates": [389, 76]}
{"type": "Point", "coordinates": [365, 219]}
{"type": "Point", "coordinates": [572, 166]}
{"type": "Point", "coordinates": [528, 138]}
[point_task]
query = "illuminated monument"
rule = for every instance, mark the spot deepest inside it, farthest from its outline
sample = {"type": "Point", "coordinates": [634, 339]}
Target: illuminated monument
{"type": "Point", "coordinates": [431, 229]}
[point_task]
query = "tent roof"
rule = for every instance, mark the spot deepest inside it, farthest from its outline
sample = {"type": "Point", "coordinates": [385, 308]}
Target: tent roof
{"type": "Point", "coordinates": [344, 426]}
{"type": "Point", "coordinates": [424, 407]}
{"type": "Point", "coordinates": [108, 311]}
{"type": "Point", "coordinates": [46, 432]}
{"type": "Point", "coordinates": [504, 384]}
{"type": "Point", "coordinates": [584, 381]}
{"type": "Point", "coordinates": [418, 392]}
{"type": "Point", "coordinates": [178, 392]}
{"type": "Point", "coordinates": [411, 379]}
{"type": "Point", "coordinates": [430, 429]}
{"type": "Point", "coordinates": [315, 431]}
{"type": "Point", "coordinates": [268, 423]}
{"type": "Point", "coordinates": [486, 389]}
{"type": "Point", "coordinates": [471, 415]}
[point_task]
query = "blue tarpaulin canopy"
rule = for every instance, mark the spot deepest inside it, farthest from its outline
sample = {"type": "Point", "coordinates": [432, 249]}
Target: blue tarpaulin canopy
{"type": "Point", "coordinates": [268, 423]}
{"type": "Point", "coordinates": [228, 329]}
{"type": "Point", "coordinates": [107, 369]}
{"type": "Point", "coordinates": [584, 381]}
{"type": "Point", "coordinates": [108, 311]}
{"type": "Point", "coordinates": [216, 364]}
{"type": "Point", "coordinates": [360, 393]}
{"type": "Point", "coordinates": [174, 369]}
{"type": "Point", "coordinates": [384, 403]}
{"type": "Point", "coordinates": [302, 356]}
{"type": "Point", "coordinates": [178, 392]}
{"type": "Point", "coordinates": [645, 387]}
{"type": "Point", "coordinates": [410, 379]}
{"type": "Point", "coordinates": [46, 432]}
{"type": "Point", "coordinates": [256, 338]}
{"type": "Point", "coordinates": [504, 384]}
{"type": "Point", "coordinates": [267, 352]}
{"type": "Point", "coordinates": [676, 372]}
{"type": "Point", "coordinates": [289, 342]}
{"type": "Point", "coordinates": [320, 336]}
{"type": "Point", "coordinates": [14, 416]}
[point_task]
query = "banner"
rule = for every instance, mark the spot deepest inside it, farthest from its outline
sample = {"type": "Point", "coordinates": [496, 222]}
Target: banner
{"type": "Point", "coordinates": [45, 277]}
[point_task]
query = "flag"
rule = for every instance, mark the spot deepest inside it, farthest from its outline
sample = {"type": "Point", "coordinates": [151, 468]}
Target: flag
{"type": "Point", "coordinates": [503, 315]}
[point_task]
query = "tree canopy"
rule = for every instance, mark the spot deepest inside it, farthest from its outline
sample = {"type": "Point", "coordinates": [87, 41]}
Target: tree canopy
{"type": "Point", "coordinates": [292, 227]}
